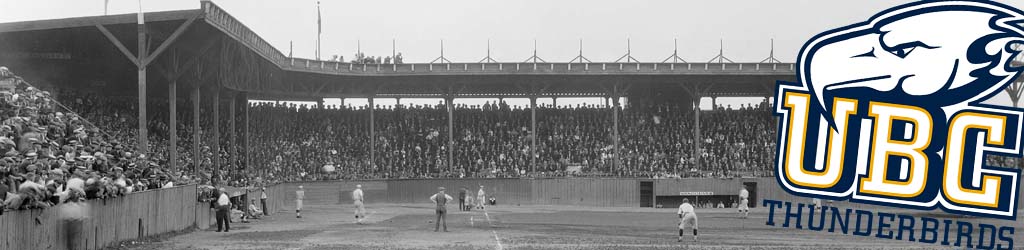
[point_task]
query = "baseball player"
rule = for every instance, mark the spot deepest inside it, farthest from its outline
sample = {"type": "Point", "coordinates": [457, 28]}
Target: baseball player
{"type": "Point", "coordinates": [462, 199]}
{"type": "Point", "coordinates": [440, 200]}
{"type": "Point", "coordinates": [744, 209]}
{"type": "Point", "coordinates": [299, 195]}
{"type": "Point", "coordinates": [357, 200]}
{"type": "Point", "coordinates": [481, 198]}
{"type": "Point", "coordinates": [687, 218]}
{"type": "Point", "coordinates": [817, 204]}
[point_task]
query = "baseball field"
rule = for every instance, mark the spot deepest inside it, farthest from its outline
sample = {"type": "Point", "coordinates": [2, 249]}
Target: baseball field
{"type": "Point", "coordinates": [411, 226]}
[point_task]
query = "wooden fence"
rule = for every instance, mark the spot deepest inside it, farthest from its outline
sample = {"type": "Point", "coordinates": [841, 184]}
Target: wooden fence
{"type": "Point", "coordinates": [110, 221]}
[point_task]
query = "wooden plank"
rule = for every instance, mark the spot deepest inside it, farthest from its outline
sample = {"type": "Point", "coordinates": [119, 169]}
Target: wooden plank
{"type": "Point", "coordinates": [4, 228]}
{"type": "Point", "coordinates": [5, 221]}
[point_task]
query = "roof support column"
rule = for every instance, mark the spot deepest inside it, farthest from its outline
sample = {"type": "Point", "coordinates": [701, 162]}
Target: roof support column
{"type": "Point", "coordinates": [172, 97]}
{"type": "Point", "coordinates": [143, 144]}
{"type": "Point", "coordinates": [533, 134]}
{"type": "Point", "coordinates": [247, 134]}
{"type": "Point", "coordinates": [696, 132]}
{"type": "Point", "coordinates": [451, 132]}
{"type": "Point", "coordinates": [615, 129]}
{"type": "Point", "coordinates": [215, 146]}
{"type": "Point", "coordinates": [141, 60]}
{"type": "Point", "coordinates": [233, 146]}
{"type": "Point", "coordinates": [197, 158]}
{"type": "Point", "coordinates": [373, 138]}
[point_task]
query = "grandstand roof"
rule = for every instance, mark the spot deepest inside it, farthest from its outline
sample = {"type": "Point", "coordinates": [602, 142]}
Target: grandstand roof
{"type": "Point", "coordinates": [208, 46]}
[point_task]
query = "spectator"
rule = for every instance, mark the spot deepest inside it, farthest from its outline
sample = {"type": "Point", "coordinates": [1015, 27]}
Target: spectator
{"type": "Point", "coordinates": [253, 211]}
{"type": "Point", "coordinates": [223, 211]}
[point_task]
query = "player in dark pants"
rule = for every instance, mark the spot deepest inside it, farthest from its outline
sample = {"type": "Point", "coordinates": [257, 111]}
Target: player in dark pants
{"type": "Point", "coordinates": [441, 200]}
{"type": "Point", "coordinates": [263, 201]}
{"type": "Point", "coordinates": [462, 200]}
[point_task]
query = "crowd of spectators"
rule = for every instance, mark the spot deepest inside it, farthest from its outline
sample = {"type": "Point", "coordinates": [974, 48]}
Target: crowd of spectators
{"type": "Point", "coordinates": [658, 142]}
{"type": "Point", "coordinates": [495, 140]}
{"type": "Point", "coordinates": [51, 155]}
{"type": "Point", "coordinates": [97, 133]}
{"type": "Point", "coordinates": [298, 142]}
{"type": "Point", "coordinates": [361, 58]}
{"type": "Point", "coordinates": [738, 142]}
{"type": "Point", "coordinates": [51, 137]}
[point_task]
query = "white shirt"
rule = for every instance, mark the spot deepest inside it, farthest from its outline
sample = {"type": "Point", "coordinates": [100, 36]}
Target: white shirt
{"type": "Point", "coordinates": [223, 200]}
{"type": "Point", "coordinates": [30, 185]}
{"type": "Point", "coordinates": [76, 183]}
{"type": "Point", "coordinates": [300, 195]}
{"type": "Point", "coordinates": [685, 209]}
{"type": "Point", "coordinates": [744, 194]}
{"type": "Point", "coordinates": [254, 209]}
{"type": "Point", "coordinates": [263, 195]}
{"type": "Point", "coordinates": [357, 195]}
{"type": "Point", "coordinates": [120, 182]}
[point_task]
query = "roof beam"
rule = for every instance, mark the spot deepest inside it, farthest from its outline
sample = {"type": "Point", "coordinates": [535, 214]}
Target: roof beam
{"type": "Point", "coordinates": [196, 58]}
{"type": "Point", "coordinates": [120, 46]}
{"type": "Point", "coordinates": [167, 43]}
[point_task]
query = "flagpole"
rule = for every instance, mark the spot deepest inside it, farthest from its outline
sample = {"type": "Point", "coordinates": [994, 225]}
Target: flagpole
{"type": "Point", "coordinates": [319, 28]}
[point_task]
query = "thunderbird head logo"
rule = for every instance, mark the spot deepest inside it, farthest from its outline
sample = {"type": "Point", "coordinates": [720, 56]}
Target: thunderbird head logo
{"type": "Point", "coordinates": [934, 54]}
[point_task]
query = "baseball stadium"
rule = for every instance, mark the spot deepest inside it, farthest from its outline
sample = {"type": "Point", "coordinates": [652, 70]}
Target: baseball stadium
{"type": "Point", "coordinates": [185, 129]}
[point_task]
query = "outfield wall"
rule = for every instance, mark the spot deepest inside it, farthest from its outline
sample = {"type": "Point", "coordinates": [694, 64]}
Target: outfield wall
{"type": "Point", "coordinates": [568, 191]}
{"type": "Point", "coordinates": [603, 192]}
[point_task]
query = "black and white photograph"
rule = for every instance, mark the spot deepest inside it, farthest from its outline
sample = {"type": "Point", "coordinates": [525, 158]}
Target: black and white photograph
{"type": "Point", "coordinates": [528, 124]}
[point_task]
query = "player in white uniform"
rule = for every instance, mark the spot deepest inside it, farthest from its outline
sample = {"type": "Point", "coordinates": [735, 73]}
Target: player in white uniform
{"type": "Point", "coordinates": [299, 196]}
{"type": "Point", "coordinates": [744, 208]}
{"type": "Point", "coordinates": [481, 198]}
{"type": "Point", "coordinates": [817, 204]}
{"type": "Point", "coordinates": [357, 200]}
{"type": "Point", "coordinates": [687, 218]}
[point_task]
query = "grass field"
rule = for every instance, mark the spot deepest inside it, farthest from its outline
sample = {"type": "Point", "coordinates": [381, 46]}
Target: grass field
{"type": "Point", "coordinates": [410, 226]}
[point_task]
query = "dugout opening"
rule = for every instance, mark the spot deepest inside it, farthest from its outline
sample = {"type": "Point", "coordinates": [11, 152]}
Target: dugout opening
{"type": "Point", "coordinates": [698, 201]}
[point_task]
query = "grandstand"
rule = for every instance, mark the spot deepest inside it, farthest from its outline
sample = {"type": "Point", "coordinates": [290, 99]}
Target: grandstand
{"type": "Point", "coordinates": [213, 57]}
{"type": "Point", "coordinates": [81, 103]}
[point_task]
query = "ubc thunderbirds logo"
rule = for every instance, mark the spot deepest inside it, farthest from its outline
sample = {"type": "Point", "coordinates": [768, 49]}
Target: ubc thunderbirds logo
{"type": "Point", "coordinates": [889, 111]}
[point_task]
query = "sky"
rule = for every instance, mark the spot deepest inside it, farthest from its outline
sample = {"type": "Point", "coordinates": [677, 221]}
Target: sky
{"type": "Point", "coordinates": [742, 30]}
